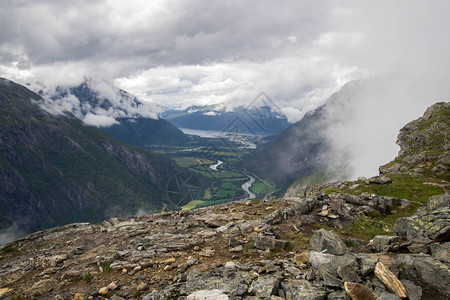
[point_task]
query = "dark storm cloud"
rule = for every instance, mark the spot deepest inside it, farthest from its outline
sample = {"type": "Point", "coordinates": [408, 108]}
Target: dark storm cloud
{"type": "Point", "coordinates": [158, 33]}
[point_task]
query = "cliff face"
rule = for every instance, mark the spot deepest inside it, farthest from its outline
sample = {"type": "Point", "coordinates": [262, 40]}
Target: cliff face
{"type": "Point", "coordinates": [55, 170]}
{"type": "Point", "coordinates": [272, 249]}
{"type": "Point", "coordinates": [424, 144]}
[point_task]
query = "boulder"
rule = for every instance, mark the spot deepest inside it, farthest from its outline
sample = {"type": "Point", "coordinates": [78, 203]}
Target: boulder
{"type": "Point", "coordinates": [330, 280]}
{"type": "Point", "coordinates": [433, 226]}
{"type": "Point", "coordinates": [390, 280]}
{"type": "Point", "coordinates": [338, 295]}
{"type": "Point", "coordinates": [418, 248]}
{"type": "Point", "coordinates": [327, 241]}
{"type": "Point", "coordinates": [207, 295]}
{"type": "Point", "coordinates": [301, 258]}
{"type": "Point", "coordinates": [388, 296]}
{"type": "Point", "coordinates": [299, 289]}
{"type": "Point", "coordinates": [103, 290]}
{"type": "Point", "coordinates": [367, 265]}
{"type": "Point", "coordinates": [264, 286]}
{"type": "Point", "coordinates": [348, 273]}
{"type": "Point", "coordinates": [379, 180]}
{"type": "Point", "coordinates": [329, 262]}
{"type": "Point", "coordinates": [441, 251]}
{"type": "Point", "coordinates": [5, 291]}
{"type": "Point", "coordinates": [232, 242]}
{"type": "Point", "coordinates": [429, 273]}
{"type": "Point", "coordinates": [264, 242]}
{"type": "Point", "coordinates": [358, 291]}
{"type": "Point", "coordinates": [414, 291]}
{"type": "Point", "coordinates": [438, 202]}
{"type": "Point", "coordinates": [383, 243]}
{"type": "Point", "coordinates": [429, 224]}
{"type": "Point", "coordinates": [230, 281]}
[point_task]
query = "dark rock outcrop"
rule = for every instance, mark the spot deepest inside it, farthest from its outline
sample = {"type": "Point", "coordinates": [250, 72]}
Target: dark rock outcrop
{"type": "Point", "coordinates": [327, 242]}
{"type": "Point", "coordinates": [431, 223]}
{"type": "Point", "coordinates": [424, 144]}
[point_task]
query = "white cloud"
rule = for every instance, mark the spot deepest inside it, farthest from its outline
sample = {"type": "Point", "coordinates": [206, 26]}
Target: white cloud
{"type": "Point", "coordinates": [366, 117]}
{"type": "Point", "coordinates": [293, 115]}
{"type": "Point", "coordinates": [99, 120]}
{"type": "Point", "coordinates": [10, 234]}
{"type": "Point", "coordinates": [211, 113]}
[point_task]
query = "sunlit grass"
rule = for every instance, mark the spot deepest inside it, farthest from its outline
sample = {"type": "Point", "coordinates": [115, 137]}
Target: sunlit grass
{"type": "Point", "coordinates": [192, 204]}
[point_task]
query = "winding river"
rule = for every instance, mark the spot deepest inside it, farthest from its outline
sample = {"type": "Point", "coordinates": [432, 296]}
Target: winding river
{"type": "Point", "coordinates": [246, 187]}
{"type": "Point", "coordinates": [214, 166]}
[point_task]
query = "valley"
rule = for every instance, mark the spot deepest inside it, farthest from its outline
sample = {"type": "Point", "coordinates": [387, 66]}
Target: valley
{"type": "Point", "coordinates": [216, 155]}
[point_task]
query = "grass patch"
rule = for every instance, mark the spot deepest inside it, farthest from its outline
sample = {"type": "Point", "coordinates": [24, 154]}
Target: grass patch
{"type": "Point", "coordinates": [186, 161]}
{"type": "Point", "coordinates": [259, 187]}
{"type": "Point", "coordinates": [365, 228]}
{"type": "Point", "coordinates": [10, 251]}
{"type": "Point", "coordinates": [192, 204]}
{"type": "Point", "coordinates": [403, 187]}
{"type": "Point", "coordinates": [319, 176]}
{"type": "Point", "coordinates": [87, 277]}
{"type": "Point", "coordinates": [106, 265]}
{"type": "Point", "coordinates": [297, 242]}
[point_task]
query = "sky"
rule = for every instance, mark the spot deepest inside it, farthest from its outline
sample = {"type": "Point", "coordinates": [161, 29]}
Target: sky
{"type": "Point", "coordinates": [184, 52]}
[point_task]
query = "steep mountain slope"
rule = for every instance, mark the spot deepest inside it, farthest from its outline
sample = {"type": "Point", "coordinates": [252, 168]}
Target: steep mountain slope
{"type": "Point", "coordinates": [116, 112]}
{"type": "Point", "coordinates": [55, 170]}
{"type": "Point", "coordinates": [256, 120]}
{"type": "Point", "coordinates": [146, 131]}
{"type": "Point", "coordinates": [296, 152]}
{"type": "Point", "coordinates": [303, 150]}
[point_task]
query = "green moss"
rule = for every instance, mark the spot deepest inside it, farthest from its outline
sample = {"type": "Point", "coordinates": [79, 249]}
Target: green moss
{"type": "Point", "coordinates": [365, 228]}
{"type": "Point", "coordinates": [297, 242]}
{"type": "Point", "coordinates": [403, 187]}
{"type": "Point", "coordinates": [330, 190]}
{"type": "Point", "coordinates": [10, 251]}
{"type": "Point", "coordinates": [87, 277]}
{"type": "Point", "coordinates": [318, 176]}
{"type": "Point", "coordinates": [106, 265]}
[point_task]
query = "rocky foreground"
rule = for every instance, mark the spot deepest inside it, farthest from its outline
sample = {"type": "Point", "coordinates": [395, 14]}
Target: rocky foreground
{"type": "Point", "coordinates": [385, 237]}
{"type": "Point", "coordinates": [251, 250]}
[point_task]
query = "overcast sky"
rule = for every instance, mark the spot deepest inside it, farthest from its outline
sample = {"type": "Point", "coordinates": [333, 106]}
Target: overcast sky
{"type": "Point", "coordinates": [184, 52]}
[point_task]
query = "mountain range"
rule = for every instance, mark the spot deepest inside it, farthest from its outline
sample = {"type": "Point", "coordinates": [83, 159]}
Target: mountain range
{"type": "Point", "coordinates": [263, 120]}
{"type": "Point", "coordinates": [56, 170]}
{"type": "Point", "coordinates": [114, 111]}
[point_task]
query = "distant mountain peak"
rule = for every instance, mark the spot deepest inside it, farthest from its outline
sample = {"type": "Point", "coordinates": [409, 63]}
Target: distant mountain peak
{"type": "Point", "coordinates": [260, 120]}
{"type": "Point", "coordinates": [97, 103]}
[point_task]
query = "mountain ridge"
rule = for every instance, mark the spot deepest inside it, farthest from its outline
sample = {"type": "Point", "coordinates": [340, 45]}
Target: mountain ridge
{"type": "Point", "coordinates": [56, 170]}
{"type": "Point", "coordinates": [116, 112]}
{"type": "Point", "coordinates": [263, 120]}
